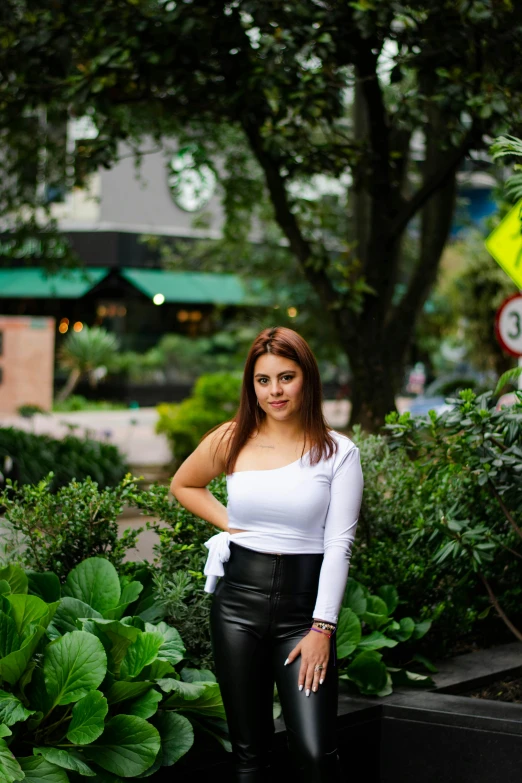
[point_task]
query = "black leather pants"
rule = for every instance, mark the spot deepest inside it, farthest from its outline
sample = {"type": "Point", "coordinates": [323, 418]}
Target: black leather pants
{"type": "Point", "coordinates": [261, 609]}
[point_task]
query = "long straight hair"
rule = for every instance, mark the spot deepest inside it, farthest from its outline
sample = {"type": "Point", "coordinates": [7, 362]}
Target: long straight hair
{"type": "Point", "coordinates": [281, 341]}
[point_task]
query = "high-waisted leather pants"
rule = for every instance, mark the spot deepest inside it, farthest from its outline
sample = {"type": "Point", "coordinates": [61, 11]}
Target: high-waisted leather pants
{"type": "Point", "coordinates": [261, 609]}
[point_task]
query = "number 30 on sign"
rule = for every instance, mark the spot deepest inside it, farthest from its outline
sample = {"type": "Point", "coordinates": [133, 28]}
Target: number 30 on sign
{"type": "Point", "coordinates": [508, 325]}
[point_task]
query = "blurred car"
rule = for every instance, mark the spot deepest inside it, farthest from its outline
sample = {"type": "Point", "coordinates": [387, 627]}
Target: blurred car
{"type": "Point", "coordinates": [421, 405]}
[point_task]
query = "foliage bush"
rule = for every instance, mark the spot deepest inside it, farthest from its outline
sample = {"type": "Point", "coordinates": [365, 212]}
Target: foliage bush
{"type": "Point", "coordinates": [35, 456]}
{"type": "Point", "coordinates": [91, 687]}
{"type": "Point", "coordinates": [419, 481]}
{"type": "Point", "coordinates": [471, 463]}
{"type": "Point", "coordinates": [59, 530]}
{"type": "Point", "coordinates": [214, 399]}
{"type": "Point", "coordinates": [77, 402]}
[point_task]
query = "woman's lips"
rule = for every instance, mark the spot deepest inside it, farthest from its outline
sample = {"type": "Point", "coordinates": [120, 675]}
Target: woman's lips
{"type": "Point", "coordinates": [278, 404]}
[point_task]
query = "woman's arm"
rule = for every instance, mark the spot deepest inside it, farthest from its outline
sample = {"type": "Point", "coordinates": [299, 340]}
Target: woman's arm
{"type": "Point", "coordinates": [190, 481]}
{"type": "Point", "coordinates": [339, 533]}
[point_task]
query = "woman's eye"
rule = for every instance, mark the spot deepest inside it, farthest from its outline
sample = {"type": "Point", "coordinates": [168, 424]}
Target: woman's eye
{"type": "Point", "coordinates": [288, 377]}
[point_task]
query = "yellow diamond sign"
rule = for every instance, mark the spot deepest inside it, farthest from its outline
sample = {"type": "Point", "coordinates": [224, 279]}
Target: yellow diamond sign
{"type": "Point", "coordinates": [505, 244]}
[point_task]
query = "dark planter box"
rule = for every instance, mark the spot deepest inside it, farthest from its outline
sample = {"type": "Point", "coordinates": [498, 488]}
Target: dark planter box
{"type": "Point", "coordinates": [408, 737]}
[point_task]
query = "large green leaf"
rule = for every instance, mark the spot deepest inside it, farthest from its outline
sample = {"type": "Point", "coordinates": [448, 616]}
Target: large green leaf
{"type": "Point", "coordinates": [355, 597]}
{"type": "Point", "coordinates": [177, 736]}
{"type": "Point", "coordinates": [95, 582]}
{"type": "Point", "coordinates": [172, 649]}
{"type": "Point", "coordinates": [390, 596]}
{"type": "Point", "coordinates": [9, 636]}
{"type": "Point", "coordinates": [348, 634]}
{"type": "Point", "coordinates": [66, 759]}
{"type": "Point", "coordinates": [88, 716]}
{"type": "Point", "coordinates": [208, 703]}
{"type": "Point", "coordinates": [13, 665]}
{"type": "Point", "coordinates": [69, 611]}
{"type": "Point", "coordinates": [142, 652]}
{"type": "Point", "coordinates": [120, 691]}
{"type": "Point", "coordinates": [127, 747]}
{"type": "Point", "coordinates": [145, 706]}
{"type": "Point", "coordinates": [368, 672]}
{"type": "Point", "coordinates": [27, 609]}
{"type": "Point", "coordinates": [197, 675]}
{"type": "Point", "coordinates": [185, 690]}
{"type": "Point", "coordinates": [421, 629]}
{"type": "Point", "coordinates": [10, 769]}
{"type": "Point", "coordinates": [17, 578]}
{"type": "Point", "coordinates": [120, 636]}
{"type": "Point", "coordinates": [73, 665]}
{"type": "Point", "coordinates": [405, 630]}
{"type": "Point", "coordinates": [5, 587]}
{"type": "Point", "coordinates": [375, 640]}
{"type": "Point", "coordinates": [130, 593]}
{"type": "Point", "coordinates": [46, 586]}
{"type": "Point", "coordinates": [11, 709]}
{"type": "Point", "coordinates": [38, 770]}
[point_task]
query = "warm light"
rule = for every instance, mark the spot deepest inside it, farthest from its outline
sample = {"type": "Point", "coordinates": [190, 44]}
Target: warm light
{"type": "Point", "coordinates": [64, 321]}
{"type": "Point", "coordinates": [292, 312]}
{"type": "Point", "coordinates": [101, 311]}
{"type": "Point", "coordinates": [182, 315]}
{"type": "Point", "coordinates": [78, 326]}
{"type": "Point", "coordinates": [158, 299]}
{"type": "Point", "coordinates": [63, 327]}
{"type": "Point", "coordinates": [195, 315]}
{"type": "Point", "coordinates": [122, 311]}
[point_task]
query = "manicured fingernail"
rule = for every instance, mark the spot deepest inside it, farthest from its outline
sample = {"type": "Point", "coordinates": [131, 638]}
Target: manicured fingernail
{"type": "Point", "coordinates": [321, 682]}
{"type": "Point", "coordinates": [314, 688]}
{"type": "Point", "coordinates": [287, 661]}
{"type": "Point", "coordinates": [308, 691]}
{"type": "Point", "coordinates": [300, 687]}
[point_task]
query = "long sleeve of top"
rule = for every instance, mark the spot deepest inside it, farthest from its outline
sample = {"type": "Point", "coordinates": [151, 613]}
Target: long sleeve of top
{"type": "Point", "coordinates": [297, 509]}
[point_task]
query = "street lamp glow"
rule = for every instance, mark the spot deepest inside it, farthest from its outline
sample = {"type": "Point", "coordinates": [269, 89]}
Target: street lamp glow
{"type": "Point", "coordinates": [158, 299]}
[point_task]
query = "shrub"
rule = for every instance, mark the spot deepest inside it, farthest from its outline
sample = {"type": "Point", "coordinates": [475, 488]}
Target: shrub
{"type": "Point", "coordinates": [61, 529]}
{"type": "Point", "coordinates": [214, 399]}
{"type": "Point", "coordinates": [89, 688]}
{"type": "Point", "coordinates": [459, 520]}
{"type": "Point", "coordinates": [35, 456]}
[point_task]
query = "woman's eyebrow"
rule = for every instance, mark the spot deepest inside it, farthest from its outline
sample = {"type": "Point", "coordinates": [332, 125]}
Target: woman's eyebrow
{"type": "Point", "coordinates": [264, 375]}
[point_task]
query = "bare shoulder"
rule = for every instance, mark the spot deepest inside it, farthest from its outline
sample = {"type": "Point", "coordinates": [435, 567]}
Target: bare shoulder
{"type": "Point", "coordinates": [217, 442]}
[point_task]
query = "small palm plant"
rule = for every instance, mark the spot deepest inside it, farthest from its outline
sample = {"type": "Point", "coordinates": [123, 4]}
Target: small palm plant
{"type": "Point", "coordinates": [86, 353]}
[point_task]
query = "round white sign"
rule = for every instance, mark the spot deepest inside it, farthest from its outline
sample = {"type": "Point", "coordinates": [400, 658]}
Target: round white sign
{"type": "Point", "coordinates": [508, 325]}
{"type": "Point", "coordinates": [191, 184]}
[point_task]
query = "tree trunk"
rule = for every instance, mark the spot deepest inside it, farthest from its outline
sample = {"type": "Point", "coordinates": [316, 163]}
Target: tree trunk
{"type": "Point", "coordinates": [372, 393]}
{"type": "Point", "coordinates": [69, 387]}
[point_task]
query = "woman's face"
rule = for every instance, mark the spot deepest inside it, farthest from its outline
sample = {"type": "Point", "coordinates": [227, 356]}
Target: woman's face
{"type": "Point", "coordinates": [278, 383]}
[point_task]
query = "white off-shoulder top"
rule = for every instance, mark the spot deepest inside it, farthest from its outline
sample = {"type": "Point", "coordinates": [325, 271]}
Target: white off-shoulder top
{"type": "Point", "coordinates": [297, 509]}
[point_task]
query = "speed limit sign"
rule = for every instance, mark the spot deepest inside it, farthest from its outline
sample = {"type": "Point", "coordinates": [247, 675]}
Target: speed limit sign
{"type": "Point", "coordinates": [508, 325]}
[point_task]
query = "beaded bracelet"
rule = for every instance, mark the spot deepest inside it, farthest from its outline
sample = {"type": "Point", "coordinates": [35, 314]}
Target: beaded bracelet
{"type": "Point", "coordinates": [324, 633]}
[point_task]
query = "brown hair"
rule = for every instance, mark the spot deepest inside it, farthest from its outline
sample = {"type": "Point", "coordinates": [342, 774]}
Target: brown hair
{"type": "Point", "coordinates": [282, 342]}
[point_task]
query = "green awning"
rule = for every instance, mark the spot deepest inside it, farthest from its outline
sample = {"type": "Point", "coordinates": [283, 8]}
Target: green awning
{"type": "Point", "coordinates": [32, 282]}
{"type": "Point", "coordinates": [192, 287]}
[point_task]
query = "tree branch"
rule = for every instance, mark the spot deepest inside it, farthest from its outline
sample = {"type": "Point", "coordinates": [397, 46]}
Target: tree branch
{"type": "Point", "coordinates": [285, 218]}
{"type": "Point", "coordinates": [438, 179]}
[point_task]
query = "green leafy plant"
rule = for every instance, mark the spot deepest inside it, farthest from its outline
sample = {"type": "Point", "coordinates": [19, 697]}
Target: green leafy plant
{"type": "Point", "coordinates": [61, 529]}
{"type": "Point", "coordinates": [478, 448]}
{"type": "Point", "coordinates": [89, 686]}
{"type": "Point", "coordinates": [85, 353]}
{"type": "Point", "coordinates": [366, 625]}
{"type": "Point", "coordinates": [214, 400]}
{"type": "Point", "coordinates": [35, 456]}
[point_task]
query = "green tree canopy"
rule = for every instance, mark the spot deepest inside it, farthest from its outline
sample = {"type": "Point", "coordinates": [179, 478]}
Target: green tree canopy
{"type": "Point", "coordinates": [387, 97]}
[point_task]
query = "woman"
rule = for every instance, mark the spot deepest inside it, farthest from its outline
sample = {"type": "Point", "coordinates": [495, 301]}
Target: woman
{"type": "Point", "coordinates": [294, 493]}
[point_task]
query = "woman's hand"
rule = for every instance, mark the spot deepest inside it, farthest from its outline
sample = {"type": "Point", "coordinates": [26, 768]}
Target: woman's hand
{"type": "Point", "coordinates": [314, 650]}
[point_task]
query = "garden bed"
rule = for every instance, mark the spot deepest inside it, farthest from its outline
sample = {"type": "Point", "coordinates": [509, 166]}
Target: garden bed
{"type": "Point", "coordinates": [411, 735]}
